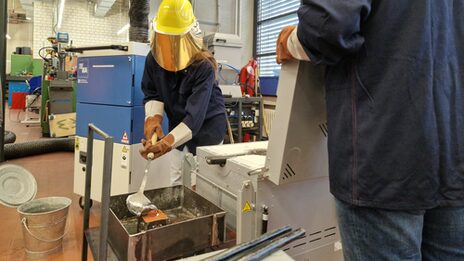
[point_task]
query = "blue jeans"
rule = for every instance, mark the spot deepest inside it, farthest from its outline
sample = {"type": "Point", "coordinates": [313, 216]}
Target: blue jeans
{"type": "Point", "coordinates": [375, 234]}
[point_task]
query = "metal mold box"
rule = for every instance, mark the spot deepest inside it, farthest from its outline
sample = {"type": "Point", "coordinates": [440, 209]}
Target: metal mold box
{"type": "Point", "coordinates": [194, 225]}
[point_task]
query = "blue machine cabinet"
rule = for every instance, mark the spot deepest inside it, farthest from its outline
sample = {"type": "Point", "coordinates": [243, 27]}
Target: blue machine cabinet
{"type": "Point", "coordinates": [110, 96]}
{"type": "Point", "coordinates": [110, 80]}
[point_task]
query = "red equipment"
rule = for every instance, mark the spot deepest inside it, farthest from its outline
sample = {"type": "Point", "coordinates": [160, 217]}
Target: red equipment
{"type": "Point", "coordinates": [248, 78]}
{"type": "Point", "coordinates": [18, 100]}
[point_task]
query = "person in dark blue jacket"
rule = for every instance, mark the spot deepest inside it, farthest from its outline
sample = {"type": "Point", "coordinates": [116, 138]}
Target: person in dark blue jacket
{"type": "Point", "coordinates": [180, 79]}
{"type": "Point", "coordinates": [395, 104]}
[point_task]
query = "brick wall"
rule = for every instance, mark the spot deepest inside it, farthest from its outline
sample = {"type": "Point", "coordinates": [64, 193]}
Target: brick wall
{"type": "Point", "coordinates": [78, 20]}
{"type": "Point", "coordinates": [85, 29]}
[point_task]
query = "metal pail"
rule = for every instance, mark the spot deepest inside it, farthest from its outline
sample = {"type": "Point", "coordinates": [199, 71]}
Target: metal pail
{"type": "Point", "coordinates": [44, 221]}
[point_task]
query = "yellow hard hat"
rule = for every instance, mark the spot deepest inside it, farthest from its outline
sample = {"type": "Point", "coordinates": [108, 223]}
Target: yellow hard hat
{"type": "Point", "coordinates": [175, 17]}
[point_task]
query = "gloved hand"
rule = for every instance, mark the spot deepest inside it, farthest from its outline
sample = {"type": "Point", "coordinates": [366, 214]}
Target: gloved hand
{"type": "Point", "coordinates": [153, 125]}
{"type": "Point", "coordinates": [283, 54]}
{"type": "Point", "coordinates": [160, 148]}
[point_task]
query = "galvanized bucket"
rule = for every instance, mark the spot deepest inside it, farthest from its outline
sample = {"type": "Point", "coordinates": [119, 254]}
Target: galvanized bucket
{"type": "Point", "coordinates": [44, 221]}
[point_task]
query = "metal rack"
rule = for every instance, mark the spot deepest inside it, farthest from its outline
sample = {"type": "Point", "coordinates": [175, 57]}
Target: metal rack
{"type": "Point", "coordinates": [240, 107]}
{"type": "Point", "coordinates": [96, 238]}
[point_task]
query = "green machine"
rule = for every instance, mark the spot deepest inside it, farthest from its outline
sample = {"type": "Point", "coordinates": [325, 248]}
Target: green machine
{"type": "Point", "coordinates": [58, 96]}
{"type": "Point", "coordinates": [22, 64]}
{"type": "Point", "coordinates": [58, 86]}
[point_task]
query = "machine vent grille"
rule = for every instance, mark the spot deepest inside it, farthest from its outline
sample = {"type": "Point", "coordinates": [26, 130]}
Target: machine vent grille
{"type": "Point", "coordinates": [288, 172]}
{"type": "Point", "coordinates": [325, 234]}
{"type": "Point", "coordinates": [324, 128]}
{"type": "Point", "coordinates": [330, 232]}
{"type": "Point", "coordinates": [300, 245]}
{"type": "Point", "coordinates": [315, 238]}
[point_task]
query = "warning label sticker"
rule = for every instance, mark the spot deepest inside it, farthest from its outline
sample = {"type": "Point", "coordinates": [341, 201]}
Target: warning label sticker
{"type": "Point", "coordinates": [124, 157]}
{"type": "Point", "coordinates": [76, 143]}
{"type": "Point", "coordinates": [247, 207]}
{"type": "Point", "coordinates": [83, 71]}
{"type": "Point", "coordinates": [125, 138]}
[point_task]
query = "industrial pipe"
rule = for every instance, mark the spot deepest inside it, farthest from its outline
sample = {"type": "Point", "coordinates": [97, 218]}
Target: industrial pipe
{"type": "Point", "coordinates": [9, 137]}
{"type": "Point", "coordinates": [24, 149]}
{"type": "Point", "coordinates": [138, 18]}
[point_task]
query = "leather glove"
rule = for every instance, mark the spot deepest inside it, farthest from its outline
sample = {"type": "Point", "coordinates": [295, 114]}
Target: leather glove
{"type": "Point", "coordinates": [283, 55]}
{"type": "Point", "coordinates": [153, 125]}
{"type": "Point", "coordinates": [160, 148]}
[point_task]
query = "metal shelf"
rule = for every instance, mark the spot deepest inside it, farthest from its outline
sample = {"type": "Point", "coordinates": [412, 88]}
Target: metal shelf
{"type": "Point", "coordinates": [239, 105]}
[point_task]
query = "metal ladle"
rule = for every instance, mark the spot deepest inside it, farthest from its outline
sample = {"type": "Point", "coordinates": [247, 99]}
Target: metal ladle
{"type": "Point", "coordinates": [138, 203]}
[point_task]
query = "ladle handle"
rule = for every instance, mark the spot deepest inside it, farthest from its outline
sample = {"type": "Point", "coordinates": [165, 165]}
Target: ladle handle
{"type": "Point", "coordinates": [154, 140]}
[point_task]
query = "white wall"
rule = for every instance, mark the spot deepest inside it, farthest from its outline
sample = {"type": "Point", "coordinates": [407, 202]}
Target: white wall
{"type": "Point", "coordinates": [219, 16]}
{"type": "Point", "coordinates": [222, 13]}
{"type": "Point", "coordinates": [21, 34]}
{"type": "Point", "coordinates": [78, 20]}
{"type": "Point", "coordinates": [85, 29]}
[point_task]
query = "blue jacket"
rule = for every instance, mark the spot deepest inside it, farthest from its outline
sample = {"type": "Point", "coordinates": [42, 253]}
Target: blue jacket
{"type": "Point", "coordinates": [395, 98]}
{"type": "Point", "coordinates": [191, 96]}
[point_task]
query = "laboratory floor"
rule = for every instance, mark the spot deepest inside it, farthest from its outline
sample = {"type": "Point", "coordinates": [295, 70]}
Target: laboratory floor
{"type": "Point", "coordinates": [54, 175]}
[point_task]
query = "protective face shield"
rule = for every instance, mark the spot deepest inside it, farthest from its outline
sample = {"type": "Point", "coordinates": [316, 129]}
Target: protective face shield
{"type": "Point", "coordinates": [175, 52]}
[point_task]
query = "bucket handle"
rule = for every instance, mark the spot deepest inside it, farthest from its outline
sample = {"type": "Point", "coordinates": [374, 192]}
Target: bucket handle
{"type": "Point", "coordinates": [24, 222]}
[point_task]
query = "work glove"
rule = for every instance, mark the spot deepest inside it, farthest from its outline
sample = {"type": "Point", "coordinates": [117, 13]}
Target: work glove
{"type": "Point", "coordinates": [283, 54]}
{"type": "Point", "coordinates": [158, 149]}
{"type": "Point", "coordinates": [153, 125]}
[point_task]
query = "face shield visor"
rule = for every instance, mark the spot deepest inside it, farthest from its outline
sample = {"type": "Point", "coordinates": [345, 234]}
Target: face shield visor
{"type": "Point", "coordinates": [175, 52]}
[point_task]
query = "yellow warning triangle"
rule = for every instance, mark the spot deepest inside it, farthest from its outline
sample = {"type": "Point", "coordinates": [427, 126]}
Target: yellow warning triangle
{"type": "Point", "coordinates": [247, 207]}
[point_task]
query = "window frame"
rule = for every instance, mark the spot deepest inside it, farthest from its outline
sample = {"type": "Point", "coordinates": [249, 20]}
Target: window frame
{"type": "Point", "coordinates": [257, 23]}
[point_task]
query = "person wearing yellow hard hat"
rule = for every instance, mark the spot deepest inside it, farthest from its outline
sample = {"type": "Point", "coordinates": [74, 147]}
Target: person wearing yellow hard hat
{"type": "Point", "coordinates": [180, 80]}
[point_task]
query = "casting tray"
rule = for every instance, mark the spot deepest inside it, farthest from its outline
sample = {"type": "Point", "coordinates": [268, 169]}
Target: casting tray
{"type": "Point", "coordinates": [194, 225]}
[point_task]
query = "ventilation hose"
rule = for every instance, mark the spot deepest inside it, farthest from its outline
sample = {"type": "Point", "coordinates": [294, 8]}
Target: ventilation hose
{"type": "Point", "coordinates": [138, 16]}
{"type": "Point", "coordinates": [10, 137]}
{"type": "Point", "coordinates": [24, 149]}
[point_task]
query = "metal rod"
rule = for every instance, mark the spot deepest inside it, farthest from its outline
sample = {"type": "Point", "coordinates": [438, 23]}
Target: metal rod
{"type": "Point", "coordinates": [237, 17]}
{"type": "Point", "coordinates": [106, 194]}
{"type": "Point", "coordinates": [106, 191]}
{"type": "Point", "coordinates": [3, 30]}
{"type": "Point", "coordinates": [255, 27]}
{"type": "Point", "coordinates": [95, 48]}
{"type": "Point", "coordinates": [240, 119]}
{"type": "Point", "coordinates": [98, 131]}
{"type": "Point", "coordinates": [88, 185]}
{"type": "Point", "coordinates": [226, 255]}
{"type": "Point", "coordinates": [273, 247]}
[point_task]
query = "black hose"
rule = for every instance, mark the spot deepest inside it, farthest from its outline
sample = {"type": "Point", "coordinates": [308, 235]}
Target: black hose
{"type": "Point", "coordinates": [30, 148]}
{"type": "Point", "coordinates": [10, 137]}
{"type": "Point", "coordinates": [138, 17]}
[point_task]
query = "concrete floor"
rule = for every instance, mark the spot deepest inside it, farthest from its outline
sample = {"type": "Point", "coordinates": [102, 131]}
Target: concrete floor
{"type": "Point", "coordinates": [54, 175]}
